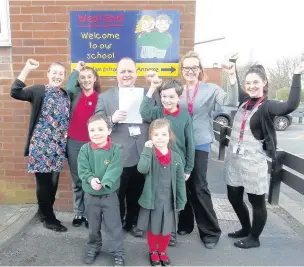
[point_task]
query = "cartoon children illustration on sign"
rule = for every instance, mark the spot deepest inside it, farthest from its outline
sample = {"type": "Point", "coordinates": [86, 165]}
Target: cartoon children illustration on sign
{"type": "Point", "coordinates": [144, 27]}
{"type": "Point", "coordinates": [154, 38]}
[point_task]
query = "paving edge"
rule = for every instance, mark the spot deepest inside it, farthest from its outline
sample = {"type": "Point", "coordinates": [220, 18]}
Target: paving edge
{"type": "Point", "coordinates": [17, 226]}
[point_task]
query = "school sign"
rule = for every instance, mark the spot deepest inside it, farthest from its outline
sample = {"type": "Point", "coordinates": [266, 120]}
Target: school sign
{"type": "Point", "coordinates": [150, 38]}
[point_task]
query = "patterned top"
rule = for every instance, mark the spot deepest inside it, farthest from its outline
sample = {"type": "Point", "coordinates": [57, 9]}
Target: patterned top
{"type": "Point", "coordinates": [47, 151]}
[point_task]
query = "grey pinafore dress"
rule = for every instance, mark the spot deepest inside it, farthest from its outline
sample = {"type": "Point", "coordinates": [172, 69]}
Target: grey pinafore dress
{"type": "Point", "coordinates": [250, 168]}
{"type": "Point", "coordinates": [160, 220]}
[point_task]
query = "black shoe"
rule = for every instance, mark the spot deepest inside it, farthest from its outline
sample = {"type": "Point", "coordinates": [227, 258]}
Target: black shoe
{"type": "Point", "coordinates": [172, 242]}
{"type": "Point", "coordinates": [90, 257]}
{"type": "Point", "coordinates": [164, 262]}
{"type": "Point", "coordinates": [136, 232]}
{"type": "Point", "coordinates": [55, 226]}
{"type": "Point", "coordinates": [183, 232]}
{"type": "Point", "coordinates": [152, 262]}
{"type": "Point", "coordinates": [78, 221]}
{"type": "Point", "coordinates": [248, 242]}
{"type": "Point", "coordinates": [86, 223]}
{"type": "Point", "coordinates": [239, 234]}
{"type": "Point", "coordinates": [211, 245]}
{"type": "Point", "coordinates": [119, 261]}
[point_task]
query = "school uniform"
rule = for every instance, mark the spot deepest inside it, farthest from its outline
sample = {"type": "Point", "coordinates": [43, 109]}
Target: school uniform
{"type": "Point", "coordinates": [181, 126]}
{"type": "Point", "coordinates": [164, 191]}
{"type": "Point", "coordinates": [106, 165]}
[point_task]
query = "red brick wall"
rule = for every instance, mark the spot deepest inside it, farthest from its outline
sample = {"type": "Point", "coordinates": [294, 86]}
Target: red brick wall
{"type": "Point", "coordinates": [40, 30]}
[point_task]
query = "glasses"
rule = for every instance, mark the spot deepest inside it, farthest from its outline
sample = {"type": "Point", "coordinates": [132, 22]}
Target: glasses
{"type": "Point", "coordinates": [194, 68]}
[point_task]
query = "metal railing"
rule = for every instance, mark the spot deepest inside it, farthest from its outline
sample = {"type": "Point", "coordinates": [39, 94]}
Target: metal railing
{"type": "Point", "coordinates": [288, 168]}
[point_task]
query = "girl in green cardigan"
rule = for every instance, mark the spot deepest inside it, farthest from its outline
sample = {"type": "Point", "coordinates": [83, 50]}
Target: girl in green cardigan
{"type": "Point", "coordinates": [164, 191]}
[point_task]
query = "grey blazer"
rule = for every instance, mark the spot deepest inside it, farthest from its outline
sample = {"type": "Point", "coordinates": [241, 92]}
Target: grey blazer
{"type": "Point", "coordinates": [131, 146]}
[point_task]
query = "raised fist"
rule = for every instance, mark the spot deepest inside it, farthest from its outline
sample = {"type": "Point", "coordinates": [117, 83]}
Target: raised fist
{"type": "Point", "coordinates": [31, 64]}
{"type": "Point", "coordinates": [299, 69]}
{"type": "Point", "coordinates": [80, 65]}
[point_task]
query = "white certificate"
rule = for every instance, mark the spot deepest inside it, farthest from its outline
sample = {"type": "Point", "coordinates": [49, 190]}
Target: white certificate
{"type": "Point", "coordinates": [129, 101]}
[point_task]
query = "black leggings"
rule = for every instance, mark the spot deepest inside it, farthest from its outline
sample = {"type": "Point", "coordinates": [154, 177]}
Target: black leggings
{"type": "Point", "coordinates": [235, 196]}
{"type": "Point", "coordinates": [47, 184]}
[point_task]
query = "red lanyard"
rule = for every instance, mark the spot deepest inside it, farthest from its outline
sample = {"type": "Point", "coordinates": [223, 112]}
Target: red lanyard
{"type": "Point", "coordinates": [244, 119]}
{"type": "Point", "coordinates": [190, 102]}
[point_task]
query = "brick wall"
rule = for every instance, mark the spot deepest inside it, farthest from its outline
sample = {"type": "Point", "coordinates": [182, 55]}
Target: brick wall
{"type": "Point", "coordinates": [40, 30]}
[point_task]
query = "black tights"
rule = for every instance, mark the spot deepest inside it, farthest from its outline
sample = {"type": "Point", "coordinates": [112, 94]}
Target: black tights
{"type": "Point", "coordinates": [235, 196]}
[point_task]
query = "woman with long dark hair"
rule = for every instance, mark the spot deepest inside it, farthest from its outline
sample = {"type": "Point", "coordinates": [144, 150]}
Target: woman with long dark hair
{"type": "Point", "coordinates": [253, 137]}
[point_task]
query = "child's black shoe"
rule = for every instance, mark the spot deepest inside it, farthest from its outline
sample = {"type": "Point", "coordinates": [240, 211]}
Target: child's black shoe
{"type": "Point", "coordinates": [78, 221]}
{"type": "Point", "coordinates": [165, 261]}
{"type": "Point", "coordinates": [154, 258]}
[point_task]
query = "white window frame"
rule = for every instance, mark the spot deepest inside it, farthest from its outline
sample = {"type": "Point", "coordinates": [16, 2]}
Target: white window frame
{"type": "Point", "coordinates": [5, 34]}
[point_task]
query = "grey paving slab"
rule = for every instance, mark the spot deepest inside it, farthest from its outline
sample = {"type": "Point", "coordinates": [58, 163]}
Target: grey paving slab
{"type": "Point", "coordinates": [280, 245]}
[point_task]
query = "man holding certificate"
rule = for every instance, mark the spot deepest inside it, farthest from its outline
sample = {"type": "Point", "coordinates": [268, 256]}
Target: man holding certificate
{"type": "Point", "coordinates": [121, 105]}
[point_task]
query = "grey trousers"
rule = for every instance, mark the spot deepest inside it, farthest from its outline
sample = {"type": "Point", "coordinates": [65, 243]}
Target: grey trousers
{"type": "Point", "coordinates": [108, 205]}
{"type": "Point", "coordinates": [73, 148]}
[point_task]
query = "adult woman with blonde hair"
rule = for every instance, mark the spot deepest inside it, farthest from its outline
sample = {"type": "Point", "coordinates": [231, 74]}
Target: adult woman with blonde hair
{"type": "Point", "coordinates": [83, 87]}
{"type": "Point", "coordinates": [47, 135]}
{"type": "Point", "coordinates": [200, 97]}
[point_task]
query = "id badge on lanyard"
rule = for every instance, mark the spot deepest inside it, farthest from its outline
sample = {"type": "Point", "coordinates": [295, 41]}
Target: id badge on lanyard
{"type": "Point", "coordinates": [238, 149]}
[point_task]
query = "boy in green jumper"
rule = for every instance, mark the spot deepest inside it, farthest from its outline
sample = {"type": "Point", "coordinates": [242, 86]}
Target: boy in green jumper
{"type": "Point", "coordinates": [100, 168]}
{"type": "Point", "coordinates": [180, 120]}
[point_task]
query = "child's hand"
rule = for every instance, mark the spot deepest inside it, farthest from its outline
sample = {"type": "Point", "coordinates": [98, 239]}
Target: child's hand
{"type": "Point", "coordinates": [80, 65]}
{"type": "Point", "coordinates": [96, 185]}
{"type": "Point", "coordinates": [150, 75]}
{"type": "Point", "coordinates": [187, 176]}
{"type": "Point", "coordinates": [149, 144]}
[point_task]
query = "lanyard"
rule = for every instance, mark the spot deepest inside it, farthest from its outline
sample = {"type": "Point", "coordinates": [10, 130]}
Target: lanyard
{"type": "Point", "coordinates": [244, 119]}
{"type": "Point", "coordinates": [191, 101]}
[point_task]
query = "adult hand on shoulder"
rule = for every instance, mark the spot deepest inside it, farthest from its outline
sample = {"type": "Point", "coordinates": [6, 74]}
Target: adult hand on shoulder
{"type": "Point", "coordinates": [299, 69]}
{"type": "Point", "coordinates": [80, 65]}
{"type": "Point", "coordinates": [96, 185]}
{"type": "Point", "coordinates": [149, 144]}
{"type": "Point", "coordinates": [31, 64]}
{"type": "Point", "coordinates": [118, 116]}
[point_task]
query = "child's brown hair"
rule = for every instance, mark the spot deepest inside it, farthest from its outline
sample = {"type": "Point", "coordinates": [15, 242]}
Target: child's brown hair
{"type": "Point", "coordinates": [177, 85]}
{"type": "Point", "coordinates": [98, 117]}
{"type": "Point", "coordinates": [160, 123]}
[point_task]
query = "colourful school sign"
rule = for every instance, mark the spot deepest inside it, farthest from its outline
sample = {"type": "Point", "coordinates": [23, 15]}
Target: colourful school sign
{"type": "Point", "coordinates": [150, 38]}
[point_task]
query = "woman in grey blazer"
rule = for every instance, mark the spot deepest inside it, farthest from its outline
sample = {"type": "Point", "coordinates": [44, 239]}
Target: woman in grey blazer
{"type": "Point", "coordinates": [199, 98]}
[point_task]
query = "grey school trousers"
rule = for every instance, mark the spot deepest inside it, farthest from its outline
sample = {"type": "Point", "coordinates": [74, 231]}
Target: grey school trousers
{"type": "Point", "coordinates": [73, 148]}
{"type": "Point", "coordinates": [108, 206]}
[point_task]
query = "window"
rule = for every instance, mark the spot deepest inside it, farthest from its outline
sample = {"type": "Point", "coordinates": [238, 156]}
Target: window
{"type": "Point", "coordinates": [5, 31]}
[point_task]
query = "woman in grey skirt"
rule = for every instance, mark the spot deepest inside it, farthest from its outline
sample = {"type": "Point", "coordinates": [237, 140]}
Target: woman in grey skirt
{"type": "Point", "coordinates": [253, 136]}
{"type": "Point", "coordinates": [83, 87]}
{"type": "Point", "coordinates": [164, 191]}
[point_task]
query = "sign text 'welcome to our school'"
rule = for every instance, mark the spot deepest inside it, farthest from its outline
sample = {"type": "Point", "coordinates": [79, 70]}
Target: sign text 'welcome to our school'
{"type": "Point", "coordinates": [150, 38]}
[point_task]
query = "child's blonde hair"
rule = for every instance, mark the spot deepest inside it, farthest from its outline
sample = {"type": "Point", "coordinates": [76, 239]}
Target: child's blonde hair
{"type": "Point", "coordinates": [161, 123]}
{"type": "Point", "coordinates": [139, 23]}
